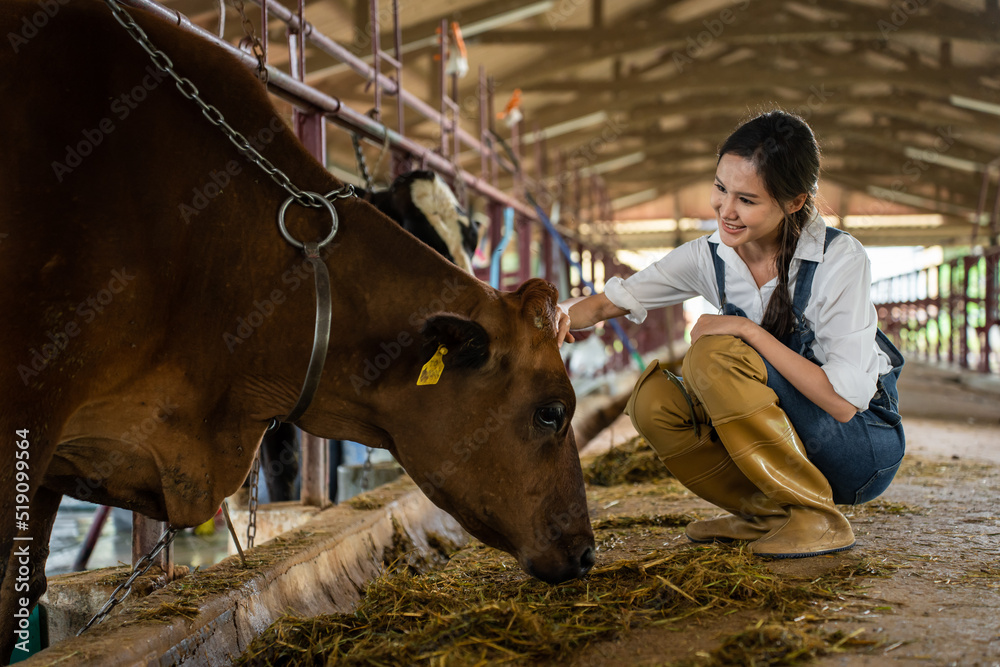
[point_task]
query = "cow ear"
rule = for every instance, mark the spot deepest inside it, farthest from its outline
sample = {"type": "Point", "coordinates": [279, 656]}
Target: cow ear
{"type": "Point", "coordinates": [467, 342]}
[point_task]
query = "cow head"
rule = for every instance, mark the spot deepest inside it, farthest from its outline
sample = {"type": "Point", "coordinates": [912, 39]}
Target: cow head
{"type": "Point", "coordinates": [496, 449]}
{"type": "Point", "coordinates": [423, 204]}
{"type": "Point", "coordinates": [428, 206]}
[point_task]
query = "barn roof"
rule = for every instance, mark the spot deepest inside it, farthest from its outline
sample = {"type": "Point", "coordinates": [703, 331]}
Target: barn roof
{"type": "Point", "coordinates": [635, 96]}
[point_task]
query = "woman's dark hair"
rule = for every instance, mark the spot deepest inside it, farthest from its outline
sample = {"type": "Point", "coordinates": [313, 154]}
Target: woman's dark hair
{"type": "Point", "coordinates": [783, 150]}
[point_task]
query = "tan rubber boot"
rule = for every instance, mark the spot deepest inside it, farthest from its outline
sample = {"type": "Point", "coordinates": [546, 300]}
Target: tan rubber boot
{"type": "Point", "coordinates": [730, 380]}
{"type": "Point", "coordinates": [676, 427]}
{"type": "Point", "coordinates": [769, 452]}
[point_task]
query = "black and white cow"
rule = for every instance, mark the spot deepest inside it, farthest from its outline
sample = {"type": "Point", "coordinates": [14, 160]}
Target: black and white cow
{"type": "Point", "coordinates": [423, 204]}
{"type": "Point", "coordinates": [426, 207]}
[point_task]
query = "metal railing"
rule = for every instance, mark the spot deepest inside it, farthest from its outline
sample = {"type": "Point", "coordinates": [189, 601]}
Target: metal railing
{"type": "Point", "coordinates": [948, 313]}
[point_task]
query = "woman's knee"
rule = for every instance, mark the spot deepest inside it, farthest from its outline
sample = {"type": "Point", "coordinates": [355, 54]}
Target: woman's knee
{"type": "Point", "coordinates": [714, 357]}
{"type": "Point", "coordinates": [726, 375]}
{"type": "Point", "coordinates": [658, 404]}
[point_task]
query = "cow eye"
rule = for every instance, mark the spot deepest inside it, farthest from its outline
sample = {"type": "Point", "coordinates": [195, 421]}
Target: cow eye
{"type": "Point", "coordinates": [551, 416]}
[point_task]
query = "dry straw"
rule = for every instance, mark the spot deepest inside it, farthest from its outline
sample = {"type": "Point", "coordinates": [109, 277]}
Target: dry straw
{"type": "Point", "coordinates": [482, 609]}
{"type": "Point", "coordinates": [631, 462]}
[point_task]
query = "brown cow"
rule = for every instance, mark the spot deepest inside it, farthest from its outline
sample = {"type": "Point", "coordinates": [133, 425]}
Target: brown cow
{"type": "Point", "coordinates": [155, 320]}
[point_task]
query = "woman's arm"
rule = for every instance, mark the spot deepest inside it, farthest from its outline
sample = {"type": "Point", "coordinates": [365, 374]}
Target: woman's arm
{"type": "Point", "coordinates": [804, 375]}
{"type": "Point", "coordinates": [584, 313]}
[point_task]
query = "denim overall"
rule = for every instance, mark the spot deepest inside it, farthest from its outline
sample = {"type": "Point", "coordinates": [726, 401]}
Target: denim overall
{"type": "Point", "coordinates": [858, 458]}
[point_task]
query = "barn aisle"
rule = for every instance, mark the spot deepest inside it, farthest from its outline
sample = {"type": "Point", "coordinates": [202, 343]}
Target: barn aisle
{"type": "Point", "coordinates": [925, 574]}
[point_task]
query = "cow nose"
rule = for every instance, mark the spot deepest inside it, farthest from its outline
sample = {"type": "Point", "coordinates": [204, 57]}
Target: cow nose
{"type": "Point", "coordinates": [587, 559]}
{"type": "Point", "coordinates": [573, 567]}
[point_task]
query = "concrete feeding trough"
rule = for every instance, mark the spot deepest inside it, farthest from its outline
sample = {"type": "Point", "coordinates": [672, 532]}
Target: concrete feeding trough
{"type": "Point", "coordinates": [209, 616]}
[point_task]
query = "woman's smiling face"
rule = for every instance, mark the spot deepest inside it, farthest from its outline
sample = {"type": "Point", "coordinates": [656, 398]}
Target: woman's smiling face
{"type": "Point", "coordinates": [746, 213]}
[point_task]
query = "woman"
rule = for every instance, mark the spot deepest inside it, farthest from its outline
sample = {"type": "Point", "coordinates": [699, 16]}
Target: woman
{"type": "Point", "coordinates": [788, 401]}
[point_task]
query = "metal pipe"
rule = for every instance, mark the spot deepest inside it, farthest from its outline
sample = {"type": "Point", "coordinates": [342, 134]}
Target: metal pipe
{"type": "Point", "coordinates": [263, 31]}
{"type": "Point", "coordinates": [90, 541]}
{"type": "Point", "coordinates": [301, 94]}
{"type": "Point", "coordinates": [397, 39]}
{"type": "Point", "coordinates": [442, 79]}
{"type": "Point", "coordinates": [332, 48]}
{"type": "Point", "coordinates": [376, 66]}
{"type": "Point", "coordinates": [483, 165]}
{"type": "Point", "coordinates": [508, 230]}
{"type": "Point", "coordinates": [300, 44]}
{"type": "Point", "coordinates": [310, 128]}
{"type": "Point", "coordinates": [490, 121]}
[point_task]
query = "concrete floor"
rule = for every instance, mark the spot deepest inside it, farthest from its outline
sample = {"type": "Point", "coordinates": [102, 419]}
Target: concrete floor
{"type": "Point", "coordinates": [937, 523]}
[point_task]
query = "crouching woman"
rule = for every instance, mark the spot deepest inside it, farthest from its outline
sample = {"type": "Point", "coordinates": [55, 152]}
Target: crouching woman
{"type": "Point", "coordinates": [788, 401]}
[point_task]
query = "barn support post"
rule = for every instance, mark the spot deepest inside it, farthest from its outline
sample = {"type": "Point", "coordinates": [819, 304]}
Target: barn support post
{"type": "Point", "coordinates": [494, 211]}
{"type": "Point", "coordinates": [376, 60]}
{"type": "Point", "coordinates": [145, 534]}
{"type": "Point", "coordinates": [524, 229]}
{"type": "Point", "coordinates": [444, 126]}
{"type": "Point", "coordinates": [963, 341]}
{"type": "Point", "coordinates": [952, 310]}
{"type": "Point", "coordinates": [491, 128]}
{"type": "Point", "coordinates": [991, 306]}
{"type": "Point", "coordinates": [483, 126]}
{"type": "Point", "coordinates": [565, 275]}
{"type": "Point", "coordinates": [310, 128]}
{"type": "Point", "coordinates": [935, 315]}
{"type": "Point", "coordinates": [544, 198]}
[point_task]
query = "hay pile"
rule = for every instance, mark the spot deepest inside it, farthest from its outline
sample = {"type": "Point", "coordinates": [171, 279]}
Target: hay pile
{"type": "Point", "coordinates": [629, 463]}
{"type": "Point", "coordinates": [482, 608]}
{"type": "Point", "coordinates": [776, 644]}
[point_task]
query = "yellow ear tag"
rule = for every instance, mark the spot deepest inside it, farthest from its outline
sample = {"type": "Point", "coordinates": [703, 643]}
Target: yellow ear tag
{"type": "Point", "coordinates": [431, 372]}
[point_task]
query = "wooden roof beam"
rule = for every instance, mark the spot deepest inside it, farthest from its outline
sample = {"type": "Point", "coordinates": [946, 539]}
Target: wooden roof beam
{"type": "Point", "coordinates": [863, 24]}
{"type": "Point", "coordinates": [422, 37]}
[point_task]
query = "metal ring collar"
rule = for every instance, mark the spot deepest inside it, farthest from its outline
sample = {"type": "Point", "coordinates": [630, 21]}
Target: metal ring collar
{"type": "Point", "coordinates": [321, 335]}
{"type": "Point", "coordinates": [334, 220]}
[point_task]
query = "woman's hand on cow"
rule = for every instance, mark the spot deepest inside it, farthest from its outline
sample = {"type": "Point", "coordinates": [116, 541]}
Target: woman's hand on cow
{"type": "Point", "coordinates": [587, 312]}
{"type": "Point", "coordinates": [562, 328]}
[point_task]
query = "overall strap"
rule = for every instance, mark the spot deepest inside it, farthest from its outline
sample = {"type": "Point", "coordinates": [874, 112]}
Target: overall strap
{"type": "Point", "coordinates": [807, 271]}
{"type": "Point", "coordinates": [720, 272]}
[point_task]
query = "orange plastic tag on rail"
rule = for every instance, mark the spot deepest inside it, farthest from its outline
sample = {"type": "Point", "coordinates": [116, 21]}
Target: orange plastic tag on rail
{"type": "Point", "coordinates": [431, 372]}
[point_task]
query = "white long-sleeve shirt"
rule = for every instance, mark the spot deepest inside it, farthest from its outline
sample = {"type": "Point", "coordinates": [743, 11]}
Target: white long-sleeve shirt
{"type": "Point", "coordinates": [840, 310]}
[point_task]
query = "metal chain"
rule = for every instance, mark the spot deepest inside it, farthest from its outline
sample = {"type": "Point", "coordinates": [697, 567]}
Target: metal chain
{"type": "Point", "coordinates": [366, 471]}
{"type": "Point", "coordinates": [214, 116]}
{"type": "Point", "coordinates": [255, 46]}
{"type": "Point", "coordinates": [252, 504]}
{"type": "Point", "coordinates": [140, 569]}
{"type": "Point", "coordinates": [362, 164]}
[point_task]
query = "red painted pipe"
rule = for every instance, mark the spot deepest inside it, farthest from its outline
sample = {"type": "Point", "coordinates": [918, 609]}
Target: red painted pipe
{"type": "Point", "coordinates": [89, 542]}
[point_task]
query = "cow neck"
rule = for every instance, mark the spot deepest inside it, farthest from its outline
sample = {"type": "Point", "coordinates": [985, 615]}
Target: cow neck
{"type": "Point", "coordinates": [324, 301]}
{"type": "Point", "coordinates": [321, 335]}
